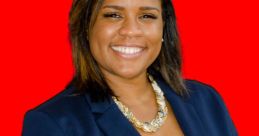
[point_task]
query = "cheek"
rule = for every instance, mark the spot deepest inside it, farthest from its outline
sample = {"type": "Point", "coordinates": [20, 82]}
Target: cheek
{"type": "Point", "coordinates": [154, 31]}
{"type": "Point", "coordinates": [100, 39]}
{"type": "Point", "coordinates": [102, 33]}
{"type": "Point", "coordinates": [101, 36]}
{"type": "Point", "coordinates": [154, 35]}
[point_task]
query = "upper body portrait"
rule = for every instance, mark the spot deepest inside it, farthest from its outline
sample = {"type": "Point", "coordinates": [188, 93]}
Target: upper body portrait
{"type": "Point", "coordinates": [128, 78]}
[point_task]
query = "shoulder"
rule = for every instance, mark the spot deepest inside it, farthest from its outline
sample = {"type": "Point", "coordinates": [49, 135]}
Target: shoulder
{"type": "Point", "coordinates": [204, 97]}
{"type": "Point", "coordinates": [62, 114]}
{"type": "Point", "coordinates": [199, 90]}
{"type": "Point", "coordinates": [210, 107]}
{"type": "Point", "coordinates": [65, 101]}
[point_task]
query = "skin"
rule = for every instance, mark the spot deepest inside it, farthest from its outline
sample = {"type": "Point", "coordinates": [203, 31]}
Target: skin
{"type": "Point", "coordinates": [128, 26]}
{"type": "Point", "coordinates": [131, 23]}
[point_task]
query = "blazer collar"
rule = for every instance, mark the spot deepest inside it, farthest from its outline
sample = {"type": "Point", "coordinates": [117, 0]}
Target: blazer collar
{"type": "Point", "coordinates": [110, 119]}
{"type": "Point", "coordinates": [113, 123]}
{"type": "Point", "coordinates": [184, 111]}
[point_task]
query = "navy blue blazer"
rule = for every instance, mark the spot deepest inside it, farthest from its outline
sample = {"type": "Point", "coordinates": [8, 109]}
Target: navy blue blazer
{"type": "Point", "coordinates": [203, 113]}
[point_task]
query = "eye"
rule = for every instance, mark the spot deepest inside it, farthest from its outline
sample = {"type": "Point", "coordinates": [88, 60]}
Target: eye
{"type": "Point", "coordinates": [112, 15]}
{"type": "Point", "coordinates": [148, 16]}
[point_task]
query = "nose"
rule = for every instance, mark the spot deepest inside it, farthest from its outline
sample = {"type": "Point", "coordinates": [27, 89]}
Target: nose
{"type": "Point", "coordinates": [130, 28]}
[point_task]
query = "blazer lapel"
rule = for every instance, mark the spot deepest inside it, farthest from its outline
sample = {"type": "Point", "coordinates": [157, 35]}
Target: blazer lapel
{"type": "Point", "coordinates": [110, 119]}
{"type": "Point", "coordinates": [185, 113]}
{"type": "Point", "coordinates": [113, 123]}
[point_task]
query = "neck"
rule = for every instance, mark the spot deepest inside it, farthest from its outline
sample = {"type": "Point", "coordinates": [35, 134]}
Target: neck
{"type": "Point", "coordinates": [131, 91]}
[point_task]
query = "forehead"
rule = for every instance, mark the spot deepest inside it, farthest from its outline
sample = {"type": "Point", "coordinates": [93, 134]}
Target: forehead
{"type": "Point", "coordinates": [133, 3]}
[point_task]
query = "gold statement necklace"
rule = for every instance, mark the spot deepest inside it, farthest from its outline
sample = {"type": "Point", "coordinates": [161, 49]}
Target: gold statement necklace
{"type": "Point", "coordinates": [158, 121]}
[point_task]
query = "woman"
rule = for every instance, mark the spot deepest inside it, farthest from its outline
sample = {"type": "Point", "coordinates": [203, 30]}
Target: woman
{"type": "Point", "coordinates": [128, 78]}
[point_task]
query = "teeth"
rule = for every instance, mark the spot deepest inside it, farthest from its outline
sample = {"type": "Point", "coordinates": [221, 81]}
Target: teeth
{"type": "Point", "coordinates": [127, 50]}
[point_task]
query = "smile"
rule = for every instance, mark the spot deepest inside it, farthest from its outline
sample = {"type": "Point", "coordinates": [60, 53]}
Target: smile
{"type": "Point", "coordinates": [127, 50]}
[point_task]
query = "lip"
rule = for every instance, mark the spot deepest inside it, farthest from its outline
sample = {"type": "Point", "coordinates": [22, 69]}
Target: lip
{"type": "Point", "coordinates": [129, 45]}
{"type": "Point", "coordinates": [128, 56]}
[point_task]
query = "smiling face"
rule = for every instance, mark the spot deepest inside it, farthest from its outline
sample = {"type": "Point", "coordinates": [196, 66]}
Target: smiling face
{"type": "Point", "coordinates": [126, 36]}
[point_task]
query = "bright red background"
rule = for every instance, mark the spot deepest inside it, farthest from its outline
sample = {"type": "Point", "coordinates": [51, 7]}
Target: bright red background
{"type": "Point", "coordinates": [219, 40]}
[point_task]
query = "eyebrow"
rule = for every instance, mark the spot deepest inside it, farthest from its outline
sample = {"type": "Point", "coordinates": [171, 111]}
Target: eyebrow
{"type": "Point", "coordinates": [113, 7]}
{"type": "Point", "coordinates": [122, 8]}
{"type": "Point", "coordinates": [149, 8]}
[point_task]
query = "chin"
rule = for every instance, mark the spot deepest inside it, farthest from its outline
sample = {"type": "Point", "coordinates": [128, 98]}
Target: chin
{"type": "Point", "coordinates": [131, 74]}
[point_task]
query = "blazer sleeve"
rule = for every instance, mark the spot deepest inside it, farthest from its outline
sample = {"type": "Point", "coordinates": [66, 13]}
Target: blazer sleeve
{"type": "Point", "coordinates": [212, 109]}
{"type": "Point", "coordinates": [38, 123]}
{"type": "Point", "coordinates": [224, 114]}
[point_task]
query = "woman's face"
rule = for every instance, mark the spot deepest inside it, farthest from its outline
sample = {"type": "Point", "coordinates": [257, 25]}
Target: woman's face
{"type": "Point", "coordinates": [127, 36]}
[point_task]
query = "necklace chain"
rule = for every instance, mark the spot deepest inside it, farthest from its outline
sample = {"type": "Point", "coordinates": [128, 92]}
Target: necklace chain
{"type": "Point", "coordinates": [158, 121]}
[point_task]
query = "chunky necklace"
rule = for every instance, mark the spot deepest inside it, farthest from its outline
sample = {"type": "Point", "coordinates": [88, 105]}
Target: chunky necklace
{"type": "Point", "coordinates": [158, 121]}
